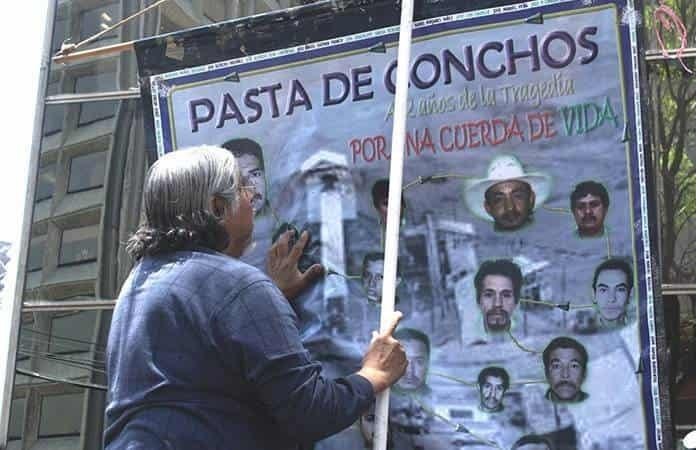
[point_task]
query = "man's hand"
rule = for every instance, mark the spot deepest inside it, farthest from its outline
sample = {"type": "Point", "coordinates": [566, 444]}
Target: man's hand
{"type": "Point", "coordinates": [385, 361]}
{"type": "Point", "coordinates": [282, 266]}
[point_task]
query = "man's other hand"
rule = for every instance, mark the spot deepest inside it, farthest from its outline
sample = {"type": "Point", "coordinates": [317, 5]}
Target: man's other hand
{"type": "Point", "coordinates": [385, 361]}
{"type": "Point", "coordinates": [282, 266]}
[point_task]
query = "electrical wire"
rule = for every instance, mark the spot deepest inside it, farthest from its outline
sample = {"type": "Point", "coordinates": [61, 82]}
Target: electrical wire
{"type": "Point", "coordinates": [29, 373]}
{"type": "Point", "coordinates": [457, 427]}
{"type": "Point", "coordinates": [583, 306]}
{"type": "Point", "coordinates": [564, 306]}
{"type": "Point", "coordinates": [518, 344]}
{"type": "Point", "coordinates": [473, 384]}
{"type": "Point", "coordinates": [452, 378]}
{"type": "Point", "coordinates": [430, 178]}
{"type": "Point", "coordinates": [555, 209]}
{"type": "Point", "coordinates": [61, 360]}
{"type": "Point", "coordinates": [85, 362]}
{"type": "Point", "coordinates": [66, 347]}
{"type": "Point", "coordinates": [525, 382]}
{"type": "Point", "coordinates": [63, 338]}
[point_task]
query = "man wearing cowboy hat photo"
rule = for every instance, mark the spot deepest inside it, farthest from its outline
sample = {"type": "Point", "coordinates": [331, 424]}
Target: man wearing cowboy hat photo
{"type": "Point", "coordinates": [508, 195]}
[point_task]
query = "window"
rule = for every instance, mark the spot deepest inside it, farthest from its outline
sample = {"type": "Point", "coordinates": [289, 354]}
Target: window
{"type": "Point", "coordinates": [87, 172]}
{"type": "Point", "coordinates": [78, 245]}
{"type": "Point", "coordinates": [96, 82]}
{"type": "Point", "coordinates": [92, 21]}
{"type": "Point", "coordinates": [61, 415]}
{"type": "Point", "coordinates": [46, 182]}
{"type": "Point", "coordinates": [16, 419]}
{"type": "Point", "coordinates": [91, 112]}
{"type": "Point", "coordinates": [59, 34]}
{"type": "Point", "coordinates": [73, 333]}
{"type": "Point", "coordinates": [53, 114]}
{"type": "Point", "coordinates": [27, 336]}
{"type": "Point", "coordinates": [94, 111]}
{"type": "Point", "coordinates": [35, 259]}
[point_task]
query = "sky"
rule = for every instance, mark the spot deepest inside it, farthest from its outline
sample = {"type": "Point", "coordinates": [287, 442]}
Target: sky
{"type": "Point", "coordinates": [22, 37]}
{"type": "Point", "coordinates": [23, 43]}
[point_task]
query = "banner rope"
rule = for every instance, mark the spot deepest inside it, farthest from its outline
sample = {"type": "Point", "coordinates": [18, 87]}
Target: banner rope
{"type": "Point", "coordinates": [457, 427]}
{"type": "Point", "coordinates": [69, 48]}
{"type": "Point", "coordinates": [668, 19]}
{"type": "Point", "coordinates": [521, 347]}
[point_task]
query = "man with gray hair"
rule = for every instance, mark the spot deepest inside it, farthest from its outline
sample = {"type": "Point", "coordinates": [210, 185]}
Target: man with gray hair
{"type": "Point", "coordinates": [204, 351]}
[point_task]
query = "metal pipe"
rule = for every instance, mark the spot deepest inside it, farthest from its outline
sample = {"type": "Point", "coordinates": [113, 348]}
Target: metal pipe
{"type": "Point", "coordinates": [68, 305]}
{"type": "Point", "coordinates": [654, 55]}
{"type": "Point", "coordinates": [63, 99]}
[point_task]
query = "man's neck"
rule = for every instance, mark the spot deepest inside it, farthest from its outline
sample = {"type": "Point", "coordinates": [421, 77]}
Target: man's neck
{"type": "Point", "coordinates": [498, 228]}
{"type": "Point", "coordinates": [590, 234]}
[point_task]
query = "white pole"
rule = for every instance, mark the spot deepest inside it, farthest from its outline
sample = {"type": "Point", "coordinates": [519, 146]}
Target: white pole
{"type": "Point", "coordinates": [392, 227]}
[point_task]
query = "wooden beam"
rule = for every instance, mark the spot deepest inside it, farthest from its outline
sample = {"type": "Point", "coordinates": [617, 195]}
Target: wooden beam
{"type": "Point", "coordinates": [107, 50]}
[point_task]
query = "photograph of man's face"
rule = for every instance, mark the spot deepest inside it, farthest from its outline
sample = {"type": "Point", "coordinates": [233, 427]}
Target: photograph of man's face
{"type": "Point", "coordinates": [417, 364]}
{"type": "Point", "coordinates": [412, 419]}
{"type": "Point", "coordinates": [379, 195]}
{"type": "Point", "coordinates": [367, 425]}
{"type": "Point", "coordinates": [589, 213]}
{"type": "Point", "coordinates": [491, 393]}
{"type": "Point", "coordinates": [372, 279]}
{"type": "Point", "coordinates": [611, 293]}
{"type": "Point", "coordinates": [248, 154]}
{"type": "Point", "coordinates": [497, 302]}
{"type": "Point", "coordinates": [589, 203]}
{"type": "Point", "coordinates": [382, 209]}
{"type": "Point", "coordinates": [252, 172]}
{"type": "Point", "coordinates": [510, 203]}
{"type": "Point", "coordinates": [565, 373]}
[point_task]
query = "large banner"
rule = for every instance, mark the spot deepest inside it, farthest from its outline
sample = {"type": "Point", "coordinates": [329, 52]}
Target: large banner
{"type": "Point", "coordinates": [524, 266]}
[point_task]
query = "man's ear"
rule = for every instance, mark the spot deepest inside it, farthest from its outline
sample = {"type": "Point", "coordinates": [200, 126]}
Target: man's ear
{"type": "Point", "coordinates": [217, 206]}
{"type": "Point", "coordinates": [533, 199]}
{"type": "Point", "coordinates": [487, 207]}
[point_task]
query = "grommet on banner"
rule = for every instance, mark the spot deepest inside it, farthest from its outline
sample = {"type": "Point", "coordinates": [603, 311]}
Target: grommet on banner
{"type": "Point", "coordinates": [535, 19]}
{"type": "Point", "coordinates": [378, 48]}
{"type": "Point", "coordinates": [234, 77]}
{"type": "Point", "coordinates": [626, 133]}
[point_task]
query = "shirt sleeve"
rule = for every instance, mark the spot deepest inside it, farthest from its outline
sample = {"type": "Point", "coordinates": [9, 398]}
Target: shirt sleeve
{"type": "Point", "coordinates": [257, 331]}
